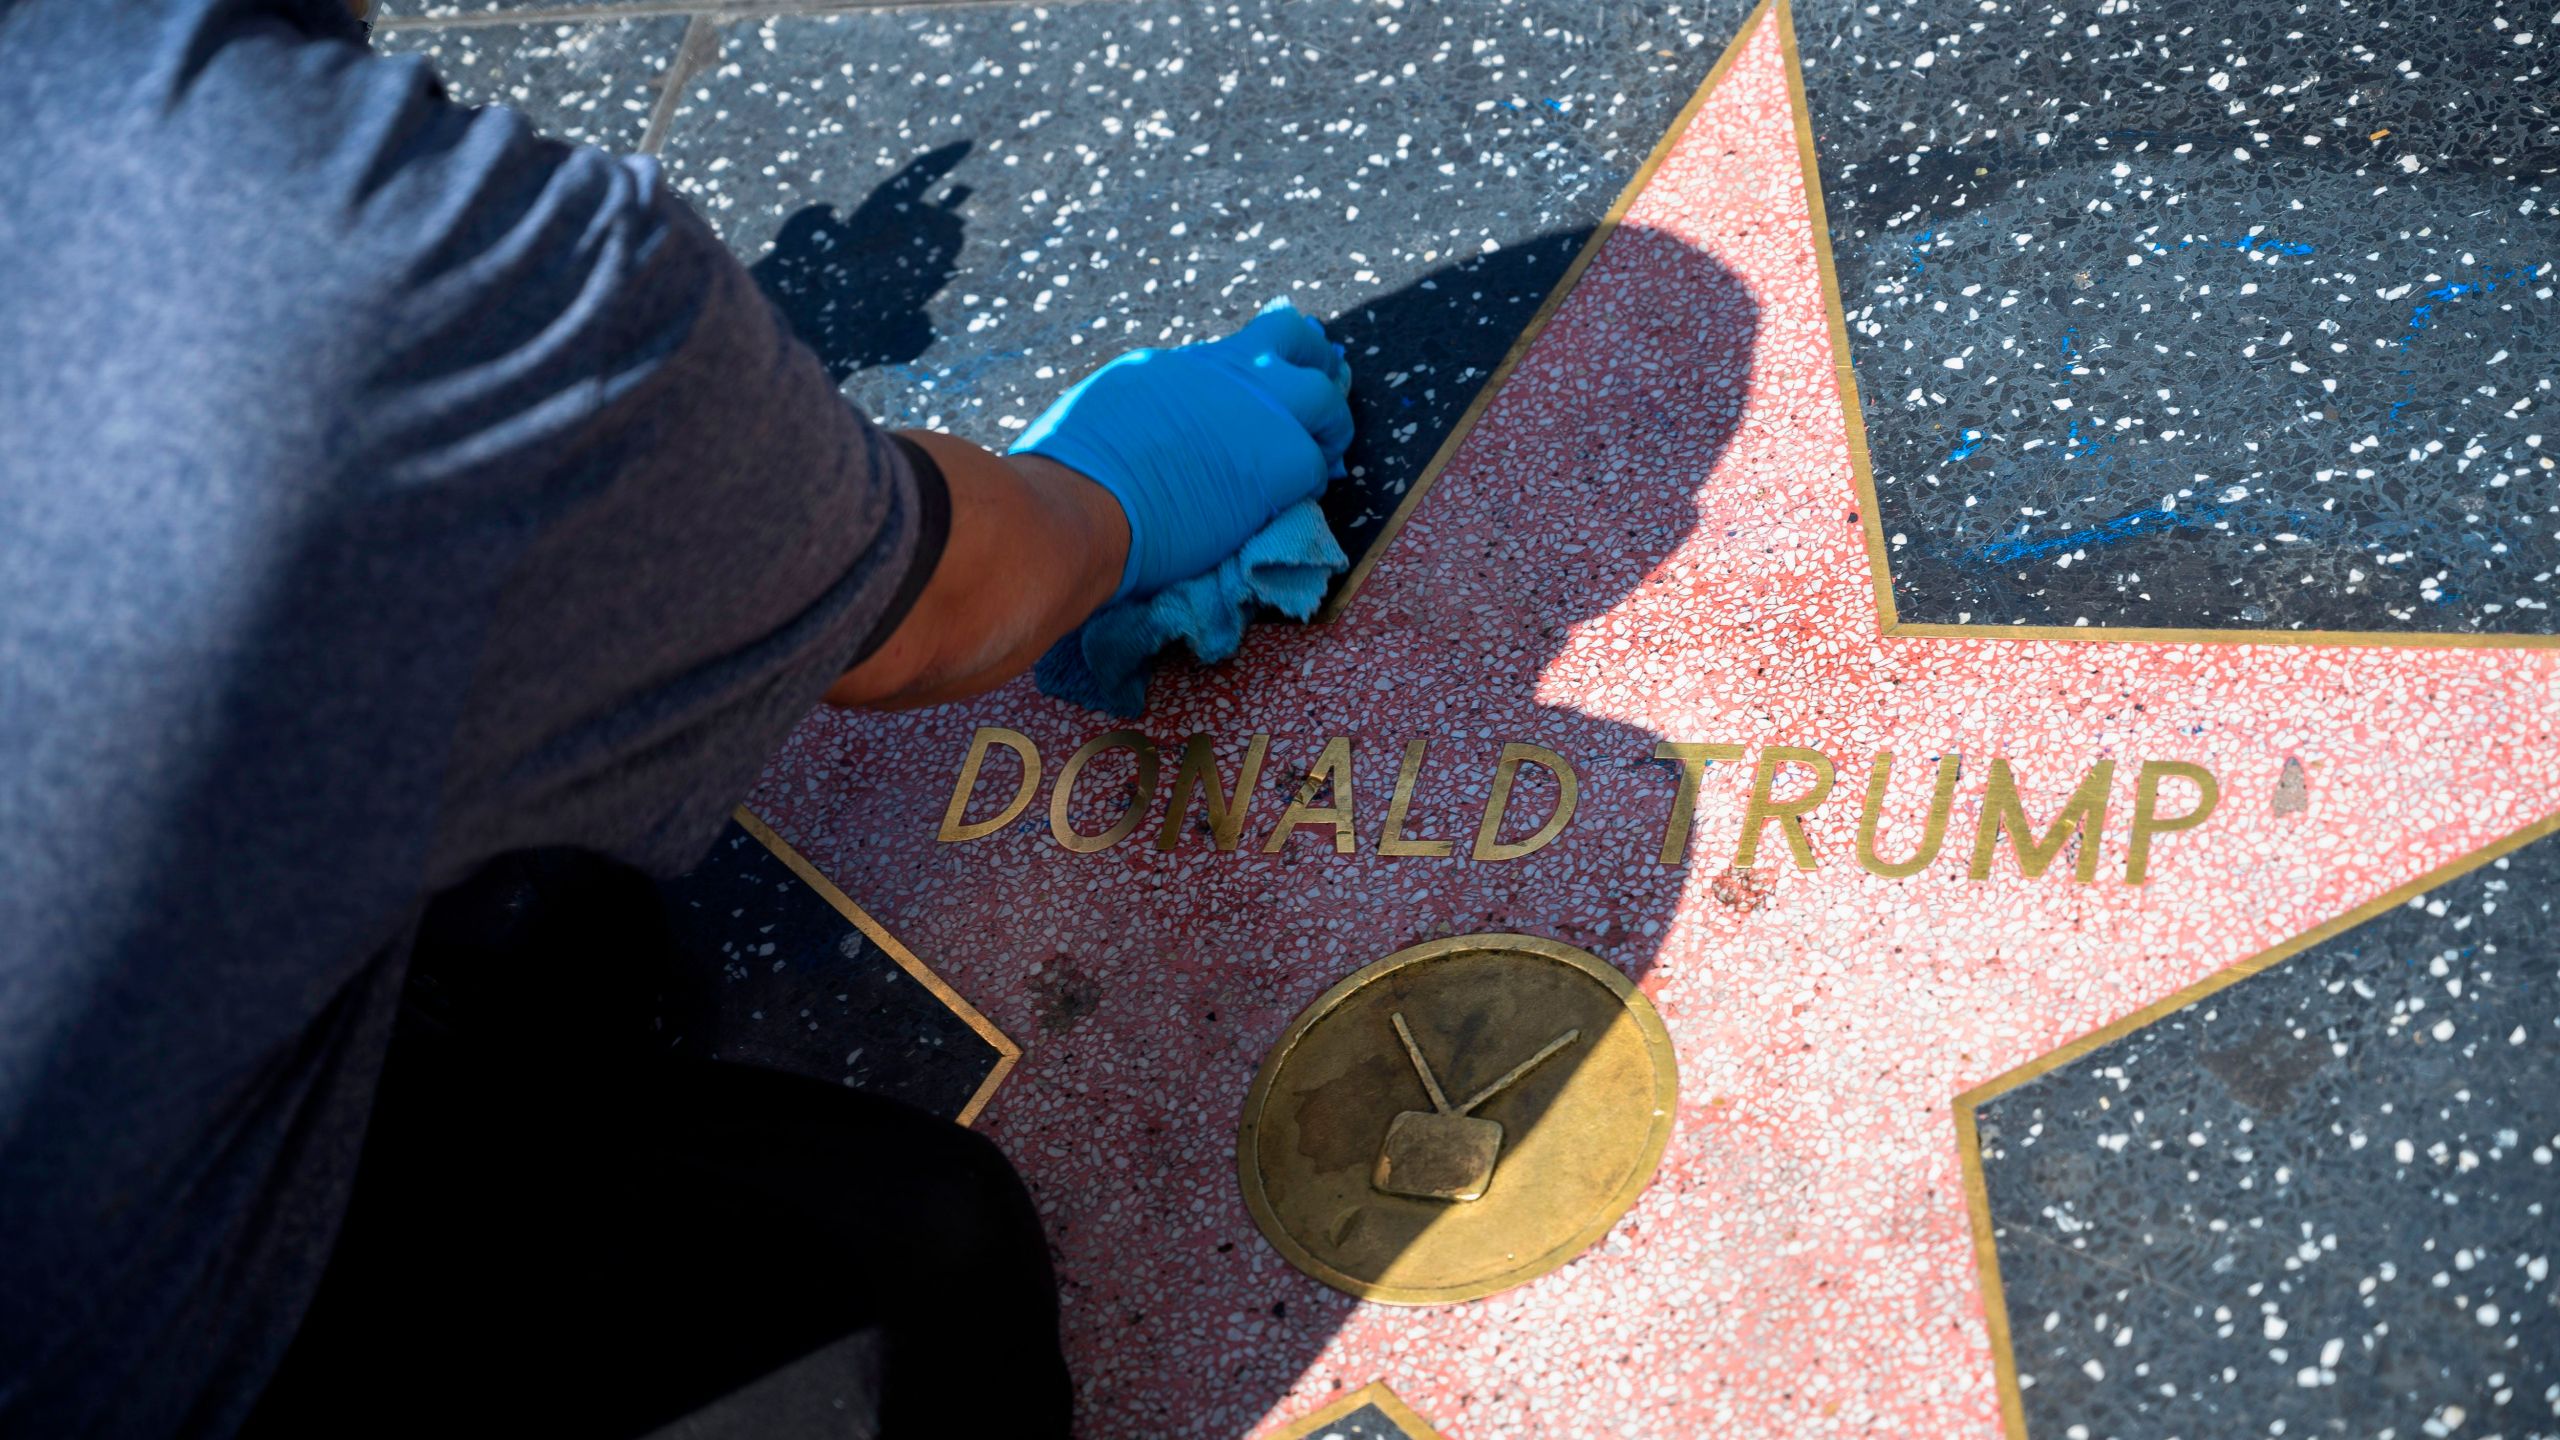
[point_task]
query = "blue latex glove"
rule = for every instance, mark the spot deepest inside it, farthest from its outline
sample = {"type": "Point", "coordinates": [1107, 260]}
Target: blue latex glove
{"type": "Point", "coordinates": [1203, 445]}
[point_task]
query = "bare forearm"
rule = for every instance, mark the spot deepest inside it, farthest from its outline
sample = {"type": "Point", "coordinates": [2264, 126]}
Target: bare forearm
{"type": "Point", "coordinates": [1034, 549]}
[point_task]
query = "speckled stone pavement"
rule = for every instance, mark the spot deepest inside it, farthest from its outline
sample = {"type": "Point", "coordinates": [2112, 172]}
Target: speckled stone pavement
{"type": "Point", "coordinates": [2310, 1201]}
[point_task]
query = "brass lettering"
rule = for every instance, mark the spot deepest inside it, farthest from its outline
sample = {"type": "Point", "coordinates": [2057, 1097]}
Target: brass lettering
{"type": "Point", "coordinates": [1693, 760]}
{"type": "Point", "coordinates": [1333, 768]}
{"type": "Point", "coordinates": [1222, 809]}
{"type": "Point", "coordinates": [1788, 813]}
{"type": "Point", "coordinates": [1489, 845]}
{"type": "Point", "coordinates": [1392, 840]}
{"type": "Point", "coordinates": [2147, 821]}
{"type": "Point", "coordinates": [954, 829]}
{"type": "Point", "coordinates": [1067, 834]}
{"type": "Point", "coordinates": [2084, 815]}
{"type": "Point", "coordinates": [1199, 771]}
{"type": "Point", "coordinates": [1933, 832]}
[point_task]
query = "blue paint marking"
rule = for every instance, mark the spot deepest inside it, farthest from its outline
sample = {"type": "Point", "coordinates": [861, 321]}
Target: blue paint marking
{"type": "Point", "coordinates": [2076, 447]}
{"type": "Point", "coordinates": [2105, 532]}
{"type": "Point", "coordinates": [1550, 103]}
{"type": "Point", "coordinates": [1919, 248]}
{"type": "Point", "coordinates": [2269, 245]}
{"type": "Point", "coordinates": [2246, 244]}
{"type": "Point", "coordinates": [960, 377]}
{"type": "Point", "coordinates": [2422, 316]}
{"type": "Point", "coordinates": [1965, 447]}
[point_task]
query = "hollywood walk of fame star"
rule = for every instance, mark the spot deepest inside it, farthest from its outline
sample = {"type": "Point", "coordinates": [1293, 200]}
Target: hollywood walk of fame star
{"type": "Point", "coordinates": [1652, 532]}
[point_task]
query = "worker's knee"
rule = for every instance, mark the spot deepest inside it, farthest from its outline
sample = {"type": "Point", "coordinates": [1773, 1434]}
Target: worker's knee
{"type": "Point", "coordinates": [978, 1205]}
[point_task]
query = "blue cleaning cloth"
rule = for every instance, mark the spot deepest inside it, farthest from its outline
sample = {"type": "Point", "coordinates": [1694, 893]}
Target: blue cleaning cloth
{"type": "Point", "coordinates": [1285, 567]}
{"type": "Point", "coordinates": [1203, 443]}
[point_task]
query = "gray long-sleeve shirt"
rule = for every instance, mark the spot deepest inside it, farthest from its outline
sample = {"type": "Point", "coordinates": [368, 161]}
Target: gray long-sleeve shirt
{"type": "Point", "coordinates": [382, 487]}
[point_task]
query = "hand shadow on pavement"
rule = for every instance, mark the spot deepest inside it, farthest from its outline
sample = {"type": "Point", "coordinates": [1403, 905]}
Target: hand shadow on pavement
{"type": "Point", "coordinates": [854, 287]}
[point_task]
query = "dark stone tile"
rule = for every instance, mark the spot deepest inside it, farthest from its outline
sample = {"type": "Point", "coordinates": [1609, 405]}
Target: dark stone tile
{"type": "Point", "coordinates": [2317, 1203]}
{"type": "Point", "coordinates": [965, 210]}
{"type": "Point", "coordinates": [592, 82]}
{"type": "Point", "coordinates": [2174, 314]}
{"type": "Point", "coordinates": [780, 978]}
{"type": "Point", "coordinates": [1366, 1423]}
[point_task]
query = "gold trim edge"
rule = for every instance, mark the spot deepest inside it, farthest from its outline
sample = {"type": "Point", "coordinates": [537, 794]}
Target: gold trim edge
{"type": "Point", "coordinates": [1374, 1393]}
{"type": "Point", "coordinates": [1007, 1052]}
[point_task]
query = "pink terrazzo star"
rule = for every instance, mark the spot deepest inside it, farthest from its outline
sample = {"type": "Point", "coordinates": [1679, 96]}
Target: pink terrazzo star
{"type": "Point", "coordinates": [1652, 534]}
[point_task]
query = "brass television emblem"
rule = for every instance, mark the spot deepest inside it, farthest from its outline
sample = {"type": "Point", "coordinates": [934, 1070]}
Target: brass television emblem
{"type": "Point", "coordinates": [1445, 1152]}
{"type": "Point", "coordinates": [1568, 1087]}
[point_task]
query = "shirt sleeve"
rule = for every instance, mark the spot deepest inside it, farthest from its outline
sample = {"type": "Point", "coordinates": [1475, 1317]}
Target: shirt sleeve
{"type": "Point", "coordinates": [382, 487]}
{"type": "Point", "coordinates": [646, 528]}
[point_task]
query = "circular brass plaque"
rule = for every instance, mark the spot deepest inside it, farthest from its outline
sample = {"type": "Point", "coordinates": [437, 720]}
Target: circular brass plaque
{"type": "Point", "coordinates": [1458, 1118]}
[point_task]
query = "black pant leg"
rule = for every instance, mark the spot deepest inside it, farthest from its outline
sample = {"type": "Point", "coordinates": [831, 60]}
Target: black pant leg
{"type": "Point", "coordinates": [567, 1233]}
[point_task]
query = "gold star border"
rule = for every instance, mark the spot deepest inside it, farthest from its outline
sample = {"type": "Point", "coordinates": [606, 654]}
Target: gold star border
{"type": "Point", "coordinates": [1375, 1393]}
{"type": "Point", "coordinates": [1007, 1053]}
